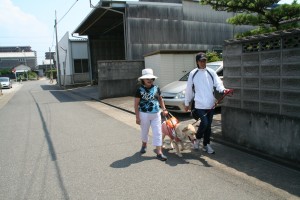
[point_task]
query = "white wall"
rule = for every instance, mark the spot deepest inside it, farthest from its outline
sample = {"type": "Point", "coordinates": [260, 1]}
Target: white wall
{"type": "Point", "coordinates": [170, 67]}
{"type": "Point", "coordinates": [79, 50]}
{"type": "Point", "coordinates": [63, 45]}
{"type": "Point", "coordinates": [68, 50]}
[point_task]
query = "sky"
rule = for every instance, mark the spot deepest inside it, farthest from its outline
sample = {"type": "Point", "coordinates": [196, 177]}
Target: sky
{"type": "Point", "coordinates": [31, 22]}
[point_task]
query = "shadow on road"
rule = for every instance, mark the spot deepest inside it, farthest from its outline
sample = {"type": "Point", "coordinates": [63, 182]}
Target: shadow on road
{"type": "Point", "coordinates": [52, 151]}
{"type": "Point", "coordinates": [126, 162]}
{"type": "Point", "coordinates": [62, 95]}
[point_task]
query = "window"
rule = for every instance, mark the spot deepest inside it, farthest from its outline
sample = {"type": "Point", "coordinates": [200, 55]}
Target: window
{"type": "Point", "coordinates": [81, 65]}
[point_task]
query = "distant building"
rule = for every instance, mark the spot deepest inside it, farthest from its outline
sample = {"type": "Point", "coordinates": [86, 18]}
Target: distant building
{"type": "Point", "coordinates": [13, 56]}
{"type": "Point", "coordinates": [73, 61]}
{"type": "Point", "coordinates": [47, 64]}
{"type": "Point", "coordinates": [49, 55]}
{"type": "Point", "coordinates": [21, 70]}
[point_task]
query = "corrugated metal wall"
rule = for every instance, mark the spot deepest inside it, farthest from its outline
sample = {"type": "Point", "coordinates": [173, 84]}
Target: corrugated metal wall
{"type": "Point", "coordinates": [188, 26]}
{"type": "Point", "coordinates": [152, 27]}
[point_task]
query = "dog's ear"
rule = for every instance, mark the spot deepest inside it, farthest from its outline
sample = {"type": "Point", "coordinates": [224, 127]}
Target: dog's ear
{"type": "Point", "coordinates": [185, 129]}
{"type": "Point", "coordinates": [191, 128]}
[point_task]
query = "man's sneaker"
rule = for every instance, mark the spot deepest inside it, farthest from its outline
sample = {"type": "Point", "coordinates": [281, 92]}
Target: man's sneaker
{"type": "Point", "coordinates": [161, 157]}
{"type": "Point", "coordinates": [143, 150]}
{"type": "Point", "coordinates": [208, 149]}
{"type": "Point", "coordinates": [196, 144]}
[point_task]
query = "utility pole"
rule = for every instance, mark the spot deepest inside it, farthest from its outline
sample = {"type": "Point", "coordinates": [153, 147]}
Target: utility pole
{"type": "Point", "coordinates": [51, 73]}
{"type": "Point", "coordinates": [57, 54]}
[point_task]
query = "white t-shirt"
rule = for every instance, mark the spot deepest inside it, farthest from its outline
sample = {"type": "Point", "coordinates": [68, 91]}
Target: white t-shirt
{"type": "Point", "coordinates": [204, 83]}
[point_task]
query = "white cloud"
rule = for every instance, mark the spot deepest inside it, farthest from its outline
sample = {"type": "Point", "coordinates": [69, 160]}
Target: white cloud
{"type": "Point", "coordinates": [15, 21]}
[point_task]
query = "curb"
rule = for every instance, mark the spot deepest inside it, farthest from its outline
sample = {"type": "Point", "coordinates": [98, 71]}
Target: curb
{"type": "Point", "coordinates": [274, 159]}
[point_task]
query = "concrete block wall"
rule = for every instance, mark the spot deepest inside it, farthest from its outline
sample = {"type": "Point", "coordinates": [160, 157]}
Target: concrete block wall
{"type": "Point", "coordinates": [264, 112]}
{"type": "Point", "coordinates": [118, 78]}
{"type": "Point", "coordinates": [82, 78]}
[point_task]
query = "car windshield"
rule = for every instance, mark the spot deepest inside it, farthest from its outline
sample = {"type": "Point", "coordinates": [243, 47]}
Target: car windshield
{"type": "Point", "coordinates": [3, 79]}
{"type": "Point", "coordinates": [185, 77]}
{"type": "Point", "coordinates": [214, 67]}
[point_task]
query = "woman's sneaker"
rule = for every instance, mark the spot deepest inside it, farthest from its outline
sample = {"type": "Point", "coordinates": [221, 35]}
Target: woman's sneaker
{"type": "Point", "coordinates": [161, 157]}
{"type": "Point", "coordinates": [208, 149]}
{"type": "Point", "coordinates": [143, 150]}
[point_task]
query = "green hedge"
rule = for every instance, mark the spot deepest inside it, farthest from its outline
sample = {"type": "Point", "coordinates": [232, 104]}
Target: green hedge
{"type": "Point", "coordinates": [54, 73]}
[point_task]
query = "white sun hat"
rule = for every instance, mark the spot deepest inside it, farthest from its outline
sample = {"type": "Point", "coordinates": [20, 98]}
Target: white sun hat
{"type": "Point", "coordinates": [147, 74]}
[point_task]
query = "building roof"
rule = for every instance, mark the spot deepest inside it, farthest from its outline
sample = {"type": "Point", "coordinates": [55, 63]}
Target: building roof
{"type": "Point", "coordinates": [15, 48]}
{"type": "Point", "coordinates": [108, 15]}
{"type": "Point", "coordinates": [103, 17]}
{"type": "Point", "coordinates": [22, 68]}
{"type": "Point", "coordinates": [17, 54]}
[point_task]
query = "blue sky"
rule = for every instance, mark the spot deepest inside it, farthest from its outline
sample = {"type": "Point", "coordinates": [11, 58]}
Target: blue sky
{"type": "Point", "coordinates": [31, 22]}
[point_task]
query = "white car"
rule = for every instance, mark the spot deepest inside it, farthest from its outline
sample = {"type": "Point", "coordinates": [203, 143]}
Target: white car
{"type": "Point", "coordinates": [173, 94]}
{"type": "Point", "coordinates": [5, 82]}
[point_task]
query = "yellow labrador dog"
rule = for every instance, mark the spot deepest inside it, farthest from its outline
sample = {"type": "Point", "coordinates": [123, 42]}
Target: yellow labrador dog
{"type": "Point", "coordinates": [178, 135]}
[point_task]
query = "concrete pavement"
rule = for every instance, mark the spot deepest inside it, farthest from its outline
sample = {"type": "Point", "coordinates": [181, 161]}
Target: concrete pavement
{"type": "Point", "coordinates": [8, 93]}
{"type": "Point", "coordinates": [234, 172]}
{"type": "Point", "coordinates": [230, 160]}
{"type": "Point", "coordinates": [126, 104]}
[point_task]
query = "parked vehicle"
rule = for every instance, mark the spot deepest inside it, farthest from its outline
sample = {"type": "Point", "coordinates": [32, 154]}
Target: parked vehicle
{"type": "Point", "coordinates": [173, 94]}
{"type": "Point", "coordinates": [6, 82]}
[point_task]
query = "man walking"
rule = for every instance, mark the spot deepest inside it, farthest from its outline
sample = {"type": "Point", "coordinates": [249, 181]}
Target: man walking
{"type": "Point", "coordinates": [200, 86]}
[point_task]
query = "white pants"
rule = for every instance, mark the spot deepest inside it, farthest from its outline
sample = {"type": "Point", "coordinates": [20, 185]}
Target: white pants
{"type": "Point", "coordinates": [153, 120]}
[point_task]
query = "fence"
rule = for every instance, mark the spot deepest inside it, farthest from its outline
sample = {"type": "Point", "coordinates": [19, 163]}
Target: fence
{"type": "Point", "coordinates": [264, 113]}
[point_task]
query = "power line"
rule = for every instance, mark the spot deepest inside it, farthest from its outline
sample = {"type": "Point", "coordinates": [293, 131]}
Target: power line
{"type": "Point", "coordinates": [68, 11]}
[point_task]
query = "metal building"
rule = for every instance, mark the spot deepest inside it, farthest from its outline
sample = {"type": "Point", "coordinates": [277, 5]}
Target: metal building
{"type": "Point", "coordinates": [120, 30]}
{"type": "Point", "coordinates": [12, 56]}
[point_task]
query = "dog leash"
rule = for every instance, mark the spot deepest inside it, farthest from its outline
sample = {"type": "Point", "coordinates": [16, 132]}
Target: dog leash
{"type": "Point", "coordinates": [230, 91]}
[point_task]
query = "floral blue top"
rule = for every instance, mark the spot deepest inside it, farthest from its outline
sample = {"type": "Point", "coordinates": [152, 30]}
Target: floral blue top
{"type": "Point", "coordinates": [148, 98]}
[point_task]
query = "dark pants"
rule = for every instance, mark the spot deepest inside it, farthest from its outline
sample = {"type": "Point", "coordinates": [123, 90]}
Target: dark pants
{"type": "Point", "coordinates": [204, 129]}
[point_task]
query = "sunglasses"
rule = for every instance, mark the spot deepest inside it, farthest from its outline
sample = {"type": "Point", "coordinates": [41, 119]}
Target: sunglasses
{"type": "Point", "coordinates": [152, 79]}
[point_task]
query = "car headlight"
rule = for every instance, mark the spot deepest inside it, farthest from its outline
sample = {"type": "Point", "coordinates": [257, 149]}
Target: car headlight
{"type": "Point", "coordinates": [180, 95]}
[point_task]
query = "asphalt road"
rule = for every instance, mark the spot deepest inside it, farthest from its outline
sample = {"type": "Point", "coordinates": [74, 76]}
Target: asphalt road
{"type": "Point", "coordinates": [55, 144]}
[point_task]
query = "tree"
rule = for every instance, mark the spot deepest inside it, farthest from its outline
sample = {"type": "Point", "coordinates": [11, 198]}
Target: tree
{"type": "Point", "coordinates": [213, 56]}
{"type": "Point", "coordinates": [266, 15]}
